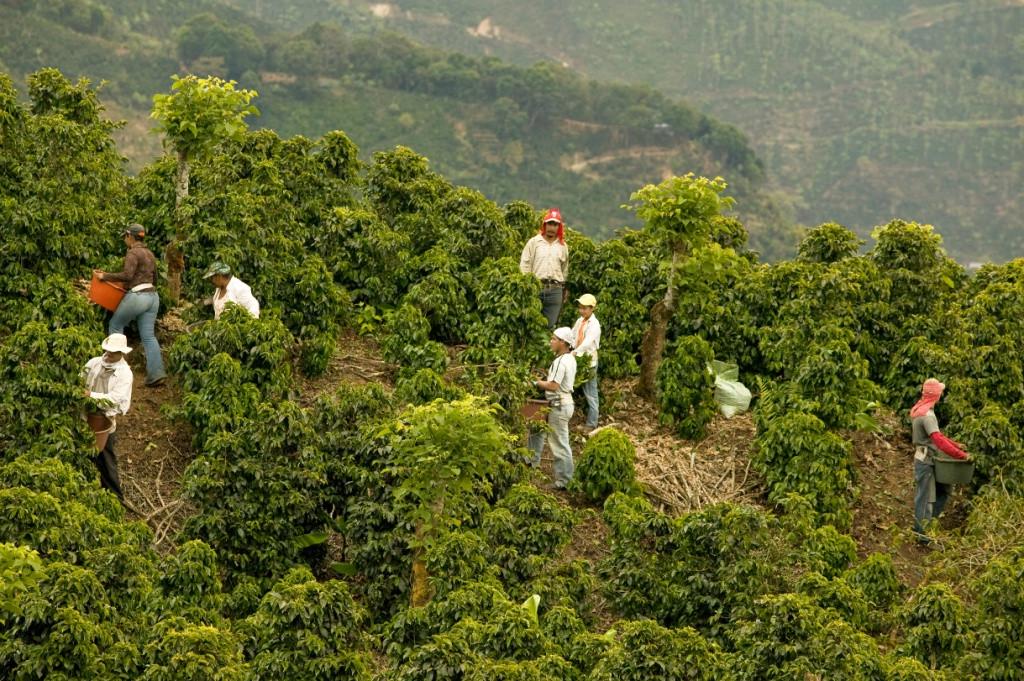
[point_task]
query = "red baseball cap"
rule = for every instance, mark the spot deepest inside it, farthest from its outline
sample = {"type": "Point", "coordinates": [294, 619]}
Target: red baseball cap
{"type": "Point", "coordinates": [553, 215]}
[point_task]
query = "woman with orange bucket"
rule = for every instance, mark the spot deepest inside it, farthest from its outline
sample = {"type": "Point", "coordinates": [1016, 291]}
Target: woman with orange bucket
{"type": "Point", "coordinates": [141, 302]}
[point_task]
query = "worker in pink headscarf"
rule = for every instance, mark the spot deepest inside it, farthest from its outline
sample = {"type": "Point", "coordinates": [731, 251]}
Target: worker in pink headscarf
{"type": "Point", "coordinates": [931, 496]}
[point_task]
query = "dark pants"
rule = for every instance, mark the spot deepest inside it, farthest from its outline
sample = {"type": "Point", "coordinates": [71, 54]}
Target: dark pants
{"type": "Point", "coordinates": [106, 462]}
{"type": "Point", "coordinates": [551, 304]}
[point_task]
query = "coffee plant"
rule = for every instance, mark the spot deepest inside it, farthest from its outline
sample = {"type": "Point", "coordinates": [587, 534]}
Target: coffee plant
{"type": "Point", "coordinates": [686, 387]}
{"type": "Point", "coordinates": [606, 465]}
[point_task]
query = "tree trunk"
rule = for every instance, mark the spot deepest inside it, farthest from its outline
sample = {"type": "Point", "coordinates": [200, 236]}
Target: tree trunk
{"type": "Point", "coordinates": [174, 254]}
{"type": "Point", "coordinates": [652, 347]}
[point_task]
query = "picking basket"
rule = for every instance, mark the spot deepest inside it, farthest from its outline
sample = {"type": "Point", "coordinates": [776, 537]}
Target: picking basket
{"type": "Point", "coordinates": [105, 294]}
{"type": "Point", "coordinates": [950, 471]}
{"type": "Point", "coordinates": [100, 425]}
{"type": "Point", "coordinates": [535, 410]}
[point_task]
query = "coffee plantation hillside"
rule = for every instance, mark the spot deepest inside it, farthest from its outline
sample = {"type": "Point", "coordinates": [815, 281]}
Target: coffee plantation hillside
{"type": "Point", "coordinates": [387, 527]}
{"type": "Point", "coordinates": [542, 132]}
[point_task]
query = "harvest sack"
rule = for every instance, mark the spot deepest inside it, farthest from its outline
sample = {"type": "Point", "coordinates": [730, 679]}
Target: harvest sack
{"type": "Point", "coordinates": [731, 396]}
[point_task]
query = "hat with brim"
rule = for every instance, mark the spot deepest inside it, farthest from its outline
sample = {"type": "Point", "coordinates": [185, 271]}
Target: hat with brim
{"type": "Point", "coordinates": [136, 230]}
{"type": "Point", "coordinates": [552, 215]}
{"type": "Point", "coordinates": [587, 300]}
{"type": "Point", "coordinates": [217, 268]}
{"type": "Point", "coordinates": [564, 334]}
{"type": "Point", "coordinates": [116, 342]}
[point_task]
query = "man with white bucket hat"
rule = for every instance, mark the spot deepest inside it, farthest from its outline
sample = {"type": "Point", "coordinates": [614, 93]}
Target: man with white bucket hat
{"type": "Point", "coordinates": [108, 380]}
{"type": "Point", "coordinates": [558, 391]}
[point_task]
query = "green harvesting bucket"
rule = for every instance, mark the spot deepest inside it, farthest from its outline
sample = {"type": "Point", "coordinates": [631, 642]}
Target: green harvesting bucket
{"type": "Point", "coordinates": [950, 471]}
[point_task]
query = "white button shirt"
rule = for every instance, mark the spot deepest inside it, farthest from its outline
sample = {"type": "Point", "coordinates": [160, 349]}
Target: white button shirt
{"type": "Point", "coordinates": [591, 338]}
{"type": "Point", "coordinates": [545, 260]}
{"type": "Point", "coordinates": [119, 386]}
{"type": "Point", "coordinates": [237, 292]}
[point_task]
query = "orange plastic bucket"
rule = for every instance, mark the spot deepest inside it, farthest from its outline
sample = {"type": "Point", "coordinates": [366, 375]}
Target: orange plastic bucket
{"type": "Point", "coordinates": [105, 294]}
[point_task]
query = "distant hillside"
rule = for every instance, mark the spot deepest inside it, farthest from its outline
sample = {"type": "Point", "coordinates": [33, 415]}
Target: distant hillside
{"type": "Point", "coordinates": [862, 109]}
{"type": "Point", "coordinates": [543, 133]}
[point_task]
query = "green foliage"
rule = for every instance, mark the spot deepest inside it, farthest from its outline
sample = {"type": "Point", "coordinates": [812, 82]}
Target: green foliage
{"type": "Point", "coordinates": [306, 629]}
{"type": "Point", "coordinates": [828, 243]}
{"type": "Point", "coordinates": [685, 387]}
{"type": "Point", "coordinates": [408, 343]}
{"type": "Point", "coordinates": [181, 650]}
{"type": "Point", "coordinates": [796, 453]}
{"type": "Point", "coordinates": [207, 36]}
{"type": "Point", "coordinates": [938, 630]}
{"type": "Point", "coordinates": [261, 346]}
{"type": "Point", "coordinates": [606, 465]}
{"type": "Point", "coordinates": [680, 209]}
{"type": "Point", "coordinates": [645, 650]}
{"type": "Point", "coordinates": [201, 112]}
{"type": "Point", "coordinates": [791, 637]}
{"type": "Point", "coordinates": [258, 487]}
{"type": "Point", "coordinates": [999, 647]}
{"type": "Point", "coordinates": [63, 189]}
{"type": "Point", "coordinates": [426, 385]}
{"type": "Point", "coordinates": [524, 530]}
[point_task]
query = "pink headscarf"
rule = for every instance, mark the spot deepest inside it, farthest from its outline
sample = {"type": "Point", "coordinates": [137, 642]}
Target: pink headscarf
{"type": "Point", "coordinates": [931, 391]}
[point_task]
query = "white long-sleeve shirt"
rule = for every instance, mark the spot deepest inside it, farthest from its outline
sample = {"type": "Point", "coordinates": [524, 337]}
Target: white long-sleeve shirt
{"type": "Point", "coordinates": [119, 385]}
{"type": "Point", "coordinates": [237, 292]}
{"type": "Point", "coordinates": [591, 338]}
{"type": "Point", "coordinates": [545, 260]}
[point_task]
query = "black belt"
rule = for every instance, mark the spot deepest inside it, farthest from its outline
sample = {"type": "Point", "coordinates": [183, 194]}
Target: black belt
{"type": "Point", "coordinates": [551, 282]}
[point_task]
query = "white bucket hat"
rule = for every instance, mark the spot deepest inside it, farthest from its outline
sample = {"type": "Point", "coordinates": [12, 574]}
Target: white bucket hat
{"type": "Point", "coordinates": [116, 342]}
{"type": "Point", "coordinates": [564, 333]}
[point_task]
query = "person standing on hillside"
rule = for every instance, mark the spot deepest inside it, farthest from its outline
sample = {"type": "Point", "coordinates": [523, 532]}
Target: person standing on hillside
{"type": "Point", "coordinates": [230, 289]}
{"type": "Point", "coordinates": [586, 333]}
{"type": "Point", "coordinates": [141, 303]}
{"type": "Point", "coordinates": [108, 379]}
{"type": "Point", "coordinates": [931, 496]}
{"type": "Point", "coordinates": [546, 257]}
{"type": "Point", "coordinates": [558, 391]}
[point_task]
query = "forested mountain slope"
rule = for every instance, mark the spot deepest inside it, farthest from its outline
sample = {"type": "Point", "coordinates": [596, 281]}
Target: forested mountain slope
{"type": "Point", "coordinates": [863, 111]}
{"type": "Point", "coordinates": [542, 133]}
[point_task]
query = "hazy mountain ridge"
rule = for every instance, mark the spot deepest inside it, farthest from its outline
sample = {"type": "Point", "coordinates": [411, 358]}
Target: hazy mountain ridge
{"type": "Point", "coordinates": [862, 110]}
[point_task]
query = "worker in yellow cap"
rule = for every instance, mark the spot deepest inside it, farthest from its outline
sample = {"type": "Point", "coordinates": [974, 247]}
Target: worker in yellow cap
{"type": "Point", "coordinates": [586, 333]}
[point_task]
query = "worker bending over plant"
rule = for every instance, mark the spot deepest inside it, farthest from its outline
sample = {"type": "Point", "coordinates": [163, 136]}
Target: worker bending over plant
{"type": "Point", "coordinates": [558, 391]}
{"type": "Point", "coordinates": [108, 380]}
{"type": "Point", "coordinates": [230, 289]}
{"type": "Point", "coordinates": [931, 496]}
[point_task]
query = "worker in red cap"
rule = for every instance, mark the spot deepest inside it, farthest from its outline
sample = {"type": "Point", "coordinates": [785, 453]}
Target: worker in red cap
{"type": "Point", "coordinates": [930, 497]}
{"type": "Point", "coordinates": [546, 257]}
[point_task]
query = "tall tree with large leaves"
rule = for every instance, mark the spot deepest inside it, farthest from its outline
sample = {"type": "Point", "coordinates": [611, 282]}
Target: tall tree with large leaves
{"type": "Point", "coordinates": [194, 118]}
{"type": "Point", "coordinates": [681, 213]}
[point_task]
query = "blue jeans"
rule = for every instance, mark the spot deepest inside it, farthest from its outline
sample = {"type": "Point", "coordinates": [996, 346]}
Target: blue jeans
{"type": "Point", "coordinates": [930, 497]}
{"type": "Point", "coordinates": [590, 393]}
{"type": "Point", "coordinates": [558, 439]}
{"type": "Point", "coordinates": [141, 308]}
{"type": "Point", "coordinates": [551, 304]}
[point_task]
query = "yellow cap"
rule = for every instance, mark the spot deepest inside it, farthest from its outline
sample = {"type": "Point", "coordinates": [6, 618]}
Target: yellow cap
{"type": "Point", "coordinates": [588, 300]}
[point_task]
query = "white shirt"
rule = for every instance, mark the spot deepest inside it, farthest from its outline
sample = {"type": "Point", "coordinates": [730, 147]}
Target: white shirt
{"type": "Point", "coordinates": [237, 292]}
{"type": "Point", "coordinates": [563, 372]}
{"type": "Point", "coordinates": [591, 338]}
{"type": "Point", "coordinates": [545, 260]}
{"type": "Point", "coordinates": [119, 386]}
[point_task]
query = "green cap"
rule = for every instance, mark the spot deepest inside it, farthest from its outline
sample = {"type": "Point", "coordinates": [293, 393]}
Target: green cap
{"type": "Point", "coordinates": [217, 267]}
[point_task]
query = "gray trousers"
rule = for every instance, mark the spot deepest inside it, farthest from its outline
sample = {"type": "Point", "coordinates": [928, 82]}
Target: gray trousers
{"type": "Point", "coordinates": [558, 439]}
{"type": "Point", "coordinates": [551, 304]}
{"type": "Point", "coordinates": [930, 497]}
